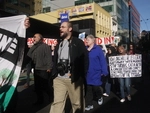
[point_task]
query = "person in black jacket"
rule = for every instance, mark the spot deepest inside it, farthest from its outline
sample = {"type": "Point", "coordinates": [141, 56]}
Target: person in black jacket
{"type": "Point", "coordinates": [41, 56]}
{"type": "Point", "coordinates": [70, 68]}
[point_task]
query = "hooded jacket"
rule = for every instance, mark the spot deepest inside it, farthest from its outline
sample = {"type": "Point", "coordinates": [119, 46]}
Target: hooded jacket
{"type": "Point", "coordinates": [97, 66]}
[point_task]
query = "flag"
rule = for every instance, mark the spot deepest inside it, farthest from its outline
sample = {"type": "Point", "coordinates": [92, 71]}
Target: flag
{"type": "Point", "coordinates": [12, 43]}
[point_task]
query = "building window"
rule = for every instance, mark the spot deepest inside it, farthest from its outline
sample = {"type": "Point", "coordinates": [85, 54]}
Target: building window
{"type": "Point", "coordinates": [25, 13]}
{"type": "Point", "coordinates": [33, 3]}
{"type": "Point", "coordinates": [96, 1]}
{"type": "Point", "coordinates": [119, 21]}
{"type": "Point", "coordinates": [118, 10]}
{"type": "Point", "coordinates": [15, 2]}
{"type": "Point", "coordinates": [109, 8]}
{"type": "Point", "coordinates": [24, 5]}
{"type": "Point", "coordinates": [119, 1]}
{"type": "Point", "coordinates": [80, 2]}
{"type": "Point", "coordinates": [104, 0]}
{"type": "Point", "coordinates": [11, 10]}
{"type": "Point", "coordinates": [39, 2]}
{"type": "Point", "coordinates": [46, 9]}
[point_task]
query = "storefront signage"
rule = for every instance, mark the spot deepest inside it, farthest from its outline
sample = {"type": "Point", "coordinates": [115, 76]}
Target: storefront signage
{"type": "Point", "coordinates": [64, 17]}
{"type": "Point", "coordinates": [77, 10]}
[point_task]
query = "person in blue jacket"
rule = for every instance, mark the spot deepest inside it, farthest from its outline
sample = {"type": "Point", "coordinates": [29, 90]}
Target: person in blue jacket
{"type": "Point", "coordinates": [97, 69]}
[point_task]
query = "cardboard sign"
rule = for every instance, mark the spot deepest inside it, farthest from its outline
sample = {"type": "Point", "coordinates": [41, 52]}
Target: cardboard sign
{"type": "Point", "coordinates": [125, 66]}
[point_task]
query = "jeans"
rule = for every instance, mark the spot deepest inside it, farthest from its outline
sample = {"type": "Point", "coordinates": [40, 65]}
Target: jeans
{"type": "Point", "coordinates": [125, 83]}
{"type": "Point", "coordinates": [107, 88]}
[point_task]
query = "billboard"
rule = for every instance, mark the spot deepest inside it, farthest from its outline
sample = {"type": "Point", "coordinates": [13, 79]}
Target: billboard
{"type": "Point", "coordinates": [77, 10]}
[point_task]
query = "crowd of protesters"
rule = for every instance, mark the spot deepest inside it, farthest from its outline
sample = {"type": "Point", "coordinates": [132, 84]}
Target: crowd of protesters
{"type": "Point", "coordinates": [78, 71]}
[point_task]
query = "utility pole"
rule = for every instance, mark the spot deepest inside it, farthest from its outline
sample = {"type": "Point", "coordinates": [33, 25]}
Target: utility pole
{"type": "Point", "coordinates": [129, 5]}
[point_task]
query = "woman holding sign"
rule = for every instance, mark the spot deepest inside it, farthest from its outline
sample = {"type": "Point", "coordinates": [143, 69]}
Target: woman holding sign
{"type": "Point", "coordinates": [124, 82]}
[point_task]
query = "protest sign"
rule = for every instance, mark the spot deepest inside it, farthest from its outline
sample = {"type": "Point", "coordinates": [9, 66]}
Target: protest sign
{"type": "Point", "coordinates": [98, 41]}
{"type": "Point", "coordinates": [125, 66]}
{"type": "Point", "coordinates": [49, 41]}
{"type": "Point", "coordinates": [82, 36]}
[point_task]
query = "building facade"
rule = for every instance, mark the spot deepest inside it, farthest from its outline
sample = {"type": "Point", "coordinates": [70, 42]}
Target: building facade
{"type": "Point", "coordinates": [121, 20]}
{"type": "Point", "coordinates": [126, 15]}
{"type": "Point", "coordinates": [28, 7]}
{"type": "Point", "coordinates": [58, 4]}
{"type": "Point", "coordinates": [135, 22]}
{"type": "Point", "coordinates": [88, 18]}
{"type": "Point", "coordinates": [119, 10]}
{"type": "Point", "coordinates": [46, 6]}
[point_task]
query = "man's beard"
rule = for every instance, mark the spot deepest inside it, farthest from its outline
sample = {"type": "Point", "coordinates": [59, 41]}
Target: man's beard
{"type": "Point", "coordinates": [64, 35]}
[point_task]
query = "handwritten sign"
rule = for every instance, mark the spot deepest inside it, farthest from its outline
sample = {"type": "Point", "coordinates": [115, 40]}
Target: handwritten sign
{"type": "Point", "coordinates": [125, 66]}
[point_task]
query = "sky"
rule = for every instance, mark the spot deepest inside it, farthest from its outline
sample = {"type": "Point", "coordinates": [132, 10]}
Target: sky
{"type": "Point", "coordinates": [143, 7]}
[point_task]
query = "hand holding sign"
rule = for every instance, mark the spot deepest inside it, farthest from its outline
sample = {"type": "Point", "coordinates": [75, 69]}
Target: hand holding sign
{"type": "Point", "coordinates": [27, 23]}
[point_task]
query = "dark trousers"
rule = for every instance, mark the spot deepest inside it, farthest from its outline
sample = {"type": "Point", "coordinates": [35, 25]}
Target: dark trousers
{"type": "Point", "coordinates": [92, 91]}
{"type": "Point", "coordinates": [41, 84]}
{"type": "Point", "coordinates": [29, 67]}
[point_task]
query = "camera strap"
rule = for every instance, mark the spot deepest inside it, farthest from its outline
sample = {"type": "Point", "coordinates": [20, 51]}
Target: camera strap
{"type": "Point", "coordinates": [61, 47]}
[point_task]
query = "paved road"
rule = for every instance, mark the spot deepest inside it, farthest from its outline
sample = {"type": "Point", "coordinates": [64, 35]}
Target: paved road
{"type": "Point", "coordinates": [140, 100]}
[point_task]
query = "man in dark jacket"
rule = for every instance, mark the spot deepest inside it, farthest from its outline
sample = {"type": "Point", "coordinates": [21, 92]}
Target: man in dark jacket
{"type": "Point", "coordinates": [70, 67]}
{"type": "Point", "coordinates": [40, 53]}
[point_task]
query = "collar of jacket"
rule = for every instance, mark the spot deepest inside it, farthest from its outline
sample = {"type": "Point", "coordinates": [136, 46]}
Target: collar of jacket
{"type": "Point", "coordinates": [92, 47]}
{"type": "Point", "coordinates": [38, 43]}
